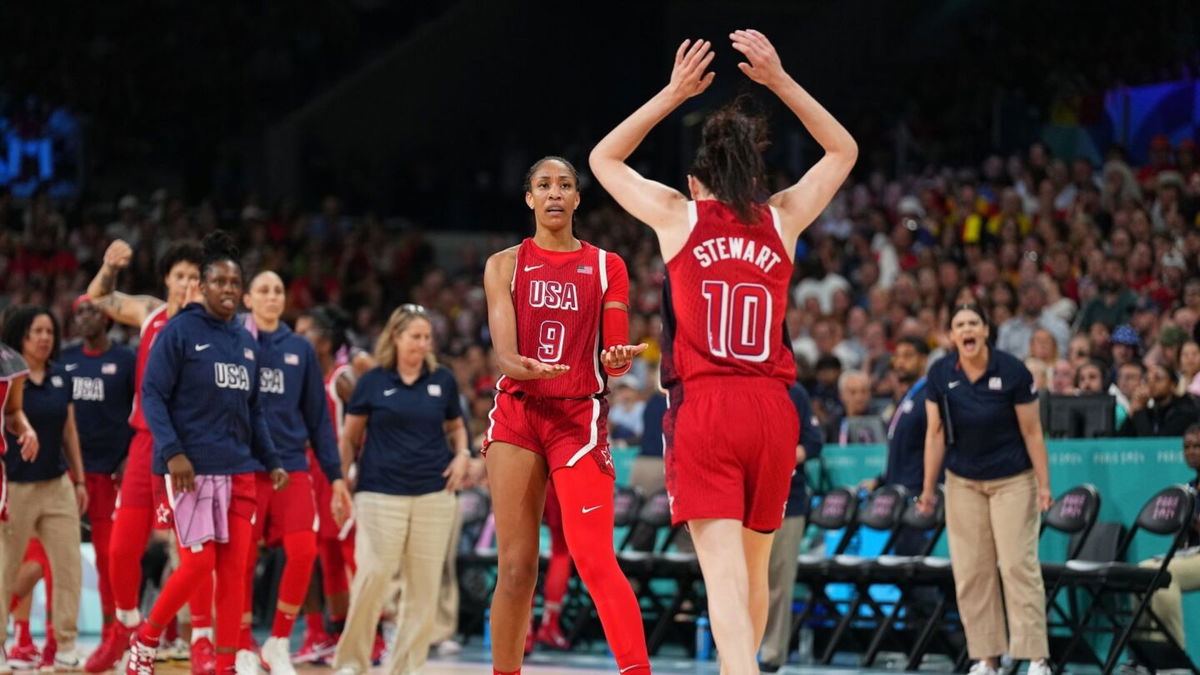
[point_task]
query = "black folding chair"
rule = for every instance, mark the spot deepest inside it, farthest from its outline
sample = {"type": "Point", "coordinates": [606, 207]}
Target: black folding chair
{"type": "Point", "coordinates": [942, 626]}
{"type": "Point", "coordinates": [898, 570]}
{"type": "Point", "coordinates": [836, 510]}
{"type": "Point", "coordinates": [1169, 513]}
{"type": "Point", "coordinates": [1074, 514]}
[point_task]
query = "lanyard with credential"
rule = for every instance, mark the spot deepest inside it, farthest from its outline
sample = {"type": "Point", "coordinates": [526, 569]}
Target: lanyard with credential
{"type": "Point", "coordinates": [912, 391]}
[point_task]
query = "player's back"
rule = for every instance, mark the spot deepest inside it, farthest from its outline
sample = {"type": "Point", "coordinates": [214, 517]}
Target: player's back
{"type": "Point", "coordinates": [150, 330]}
{"type": "Point", "coordinates": [725, 299]}
{"type": "Point", "coordinates": [558, 298]}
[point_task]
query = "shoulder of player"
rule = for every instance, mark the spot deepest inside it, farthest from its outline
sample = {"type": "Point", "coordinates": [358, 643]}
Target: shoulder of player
{"type": "Point", "coordinates": [507, 256]}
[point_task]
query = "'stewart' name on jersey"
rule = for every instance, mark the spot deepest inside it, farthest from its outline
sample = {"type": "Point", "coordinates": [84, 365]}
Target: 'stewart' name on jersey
{"type": "Point", "coordinates": [744, 249]}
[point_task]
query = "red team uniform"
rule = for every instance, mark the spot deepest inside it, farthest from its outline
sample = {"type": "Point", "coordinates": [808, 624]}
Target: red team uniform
{"type": "Point", "coordinates": [335, 548]}
{"type": "Point", "coordinates": [730, 427]}
{"type": "Point", "coordinates": [559, 298]}
{"type": "Point", "coordinates": [138, 489]}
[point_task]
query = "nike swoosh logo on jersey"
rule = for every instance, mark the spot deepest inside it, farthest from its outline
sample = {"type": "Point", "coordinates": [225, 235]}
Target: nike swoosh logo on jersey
{"type": "Point", "coordinates": [71, 366]}
{"type": "Point", "coordinates": [954, 384]}
{"type": "Point", "coordinates": [530, 268]}
{"type": "Point", "coordinates": [389, 392]}
{"type": "Point", "coordinates": [201, 348]}
{"type": "Point", "coordinates": [636, 665]}
{"type": "Point", "coordinates": [586, 510]}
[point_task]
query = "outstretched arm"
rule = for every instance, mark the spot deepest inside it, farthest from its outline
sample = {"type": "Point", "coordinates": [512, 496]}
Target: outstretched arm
{"type": "Point", "coordinates": [130, 310]}
{"type": "Point", "coordinates": [799, 204]}
{"type": "Point", "coordinates": [659, 206]}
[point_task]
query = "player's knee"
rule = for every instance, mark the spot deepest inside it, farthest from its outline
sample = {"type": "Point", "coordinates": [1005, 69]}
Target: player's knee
{"type": "Point", "coordinates": [300, 548]}
{"type": "Point", "coordinates": [517, 573]}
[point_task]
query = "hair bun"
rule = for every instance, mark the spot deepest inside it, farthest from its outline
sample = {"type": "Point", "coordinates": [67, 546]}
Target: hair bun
{"type": "Point", "coordinates": [219, 243]}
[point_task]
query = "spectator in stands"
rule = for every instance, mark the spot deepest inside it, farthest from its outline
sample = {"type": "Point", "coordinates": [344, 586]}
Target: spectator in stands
{"type": "Point", "coordinates": [1155, 408]}
{"type": "Point", "coordinates": [857, 424]}
{"type": "Point", "coordinates": [625, 415]}
{"type": "Point", "coordinates": [1015, 334]}
{"type": "Point", "coordinates": [1091, 378]}
{"type": "Point", "coordinates": [1115, 303]}
{"type": "Point", "coordinates": [825, 339]}
{"type": "Point", "coordinates": [647, 473]}
{"type": "Point", "coordinates": [1041, 372]}
{"type": "Point", "coordinates": [1062, 378]}
{"type": "Point", "coordinates": [1189, 368]}
{"type": "Point", "coordinates": [1167, 603]}
{"type": "Point", "coordinates": [1170, 340]}
{"type": "Point", "coordinates": [781, 573]}
{"type": "Point", "coordinates": [1126, 346]}
{"type": "Point", "coordinates": [827, 404]}
{"type": "Point", "coordinates": [1043, 345]}
{"type": "Point", "coordinates": [1079, 350]}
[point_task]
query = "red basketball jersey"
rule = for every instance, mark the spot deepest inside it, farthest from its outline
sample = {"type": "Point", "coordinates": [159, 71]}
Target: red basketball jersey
{"type": "Point", "coordinates": [337, 409]}
{"type": "Point", "coordinates": [150, 328]}
{"type": "Point", "coordinates": [559, 299]}
{"type": "Point", "coordinates": [725, 297]}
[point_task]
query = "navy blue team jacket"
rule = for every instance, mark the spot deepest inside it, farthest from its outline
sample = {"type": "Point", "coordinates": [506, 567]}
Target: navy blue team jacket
{"type": "Point", "coordinates": [293, 394]}
{"type": "Point", "coordinates": [200, 397]}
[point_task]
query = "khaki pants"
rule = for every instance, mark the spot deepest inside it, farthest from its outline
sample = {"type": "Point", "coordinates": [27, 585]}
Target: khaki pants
{"type": "Point", "coordinates": [781, 580]}
{"type": "Point", "coordinates": [1167, 603]}
{"type": "Point", "coordinates": [46, 510]}
{"type": "Point", "coordinates": [396, 534]}
{"type": "Point", "coordinates": [993, 531]}
{"type": "Point", "coordinates": [648, 474]}
{"type": "Point", "coordinates": [446, 624]}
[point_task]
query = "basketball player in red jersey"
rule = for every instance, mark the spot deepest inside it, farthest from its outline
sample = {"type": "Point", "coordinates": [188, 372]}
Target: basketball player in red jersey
{"type": "Point", "coordinates": [730, 428]}
{"type": "Point", "coordinates": [136, 499]}
{"type": "Point", "coordinates": [551, 301]}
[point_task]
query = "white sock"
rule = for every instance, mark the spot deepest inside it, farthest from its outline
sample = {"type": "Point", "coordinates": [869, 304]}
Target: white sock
{"type": "Point", "coordinates": [130, 618]}
{"type": "Point", "coordinates": [198, 633]}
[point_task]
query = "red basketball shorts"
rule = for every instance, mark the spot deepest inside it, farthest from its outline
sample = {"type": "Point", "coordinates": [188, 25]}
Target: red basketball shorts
{"type": "Point", "coordinates": [730, 450]}
{"type": "Point", "coordinates": [139, 487]}
{"type": "Point", "coordinates": [292, 509]}
{"type": "Point", "coordinates": [563, 430]}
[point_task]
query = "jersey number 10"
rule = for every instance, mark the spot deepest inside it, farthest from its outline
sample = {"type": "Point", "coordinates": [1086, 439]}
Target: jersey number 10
{"type": "Point", "coordinates": [739, 320]}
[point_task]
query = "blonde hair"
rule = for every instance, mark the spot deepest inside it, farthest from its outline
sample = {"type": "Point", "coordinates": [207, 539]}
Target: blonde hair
{"type": "Point", "coordinates": [397, 323]}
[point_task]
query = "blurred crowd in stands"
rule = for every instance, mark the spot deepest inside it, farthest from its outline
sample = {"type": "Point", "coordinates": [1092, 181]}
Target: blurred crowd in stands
{"type": "Point", "coordinates": [1091, 274]}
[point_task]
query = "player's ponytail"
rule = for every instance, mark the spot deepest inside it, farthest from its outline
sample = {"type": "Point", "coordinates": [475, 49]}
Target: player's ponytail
{"type": "Point", "coordinates": [218, 247]}
{"type": "Point", "coordinates": [729, 161]}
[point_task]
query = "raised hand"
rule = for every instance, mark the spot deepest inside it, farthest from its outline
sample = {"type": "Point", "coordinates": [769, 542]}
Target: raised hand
{"type": "Point", "coordinates": [118, 255]}
{"type": "Point", "coordinates": [764, 66]}
{"type": "Point", "coordinates": [688, 77]}
{"type": "Point", "coordinates": [536, 370]}
{"type": "Point", "coordinates": [619, 356]}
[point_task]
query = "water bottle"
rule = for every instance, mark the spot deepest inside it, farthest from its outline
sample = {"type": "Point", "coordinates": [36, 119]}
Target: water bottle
{"type": "Point", "coordinates": [487, 628]}
{"type": "Point", "coordinates": [704, 642]}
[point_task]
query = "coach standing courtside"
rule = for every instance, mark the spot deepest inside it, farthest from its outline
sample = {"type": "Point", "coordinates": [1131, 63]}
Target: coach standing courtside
{"type": "Point", "coordinates": [983, 421]}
